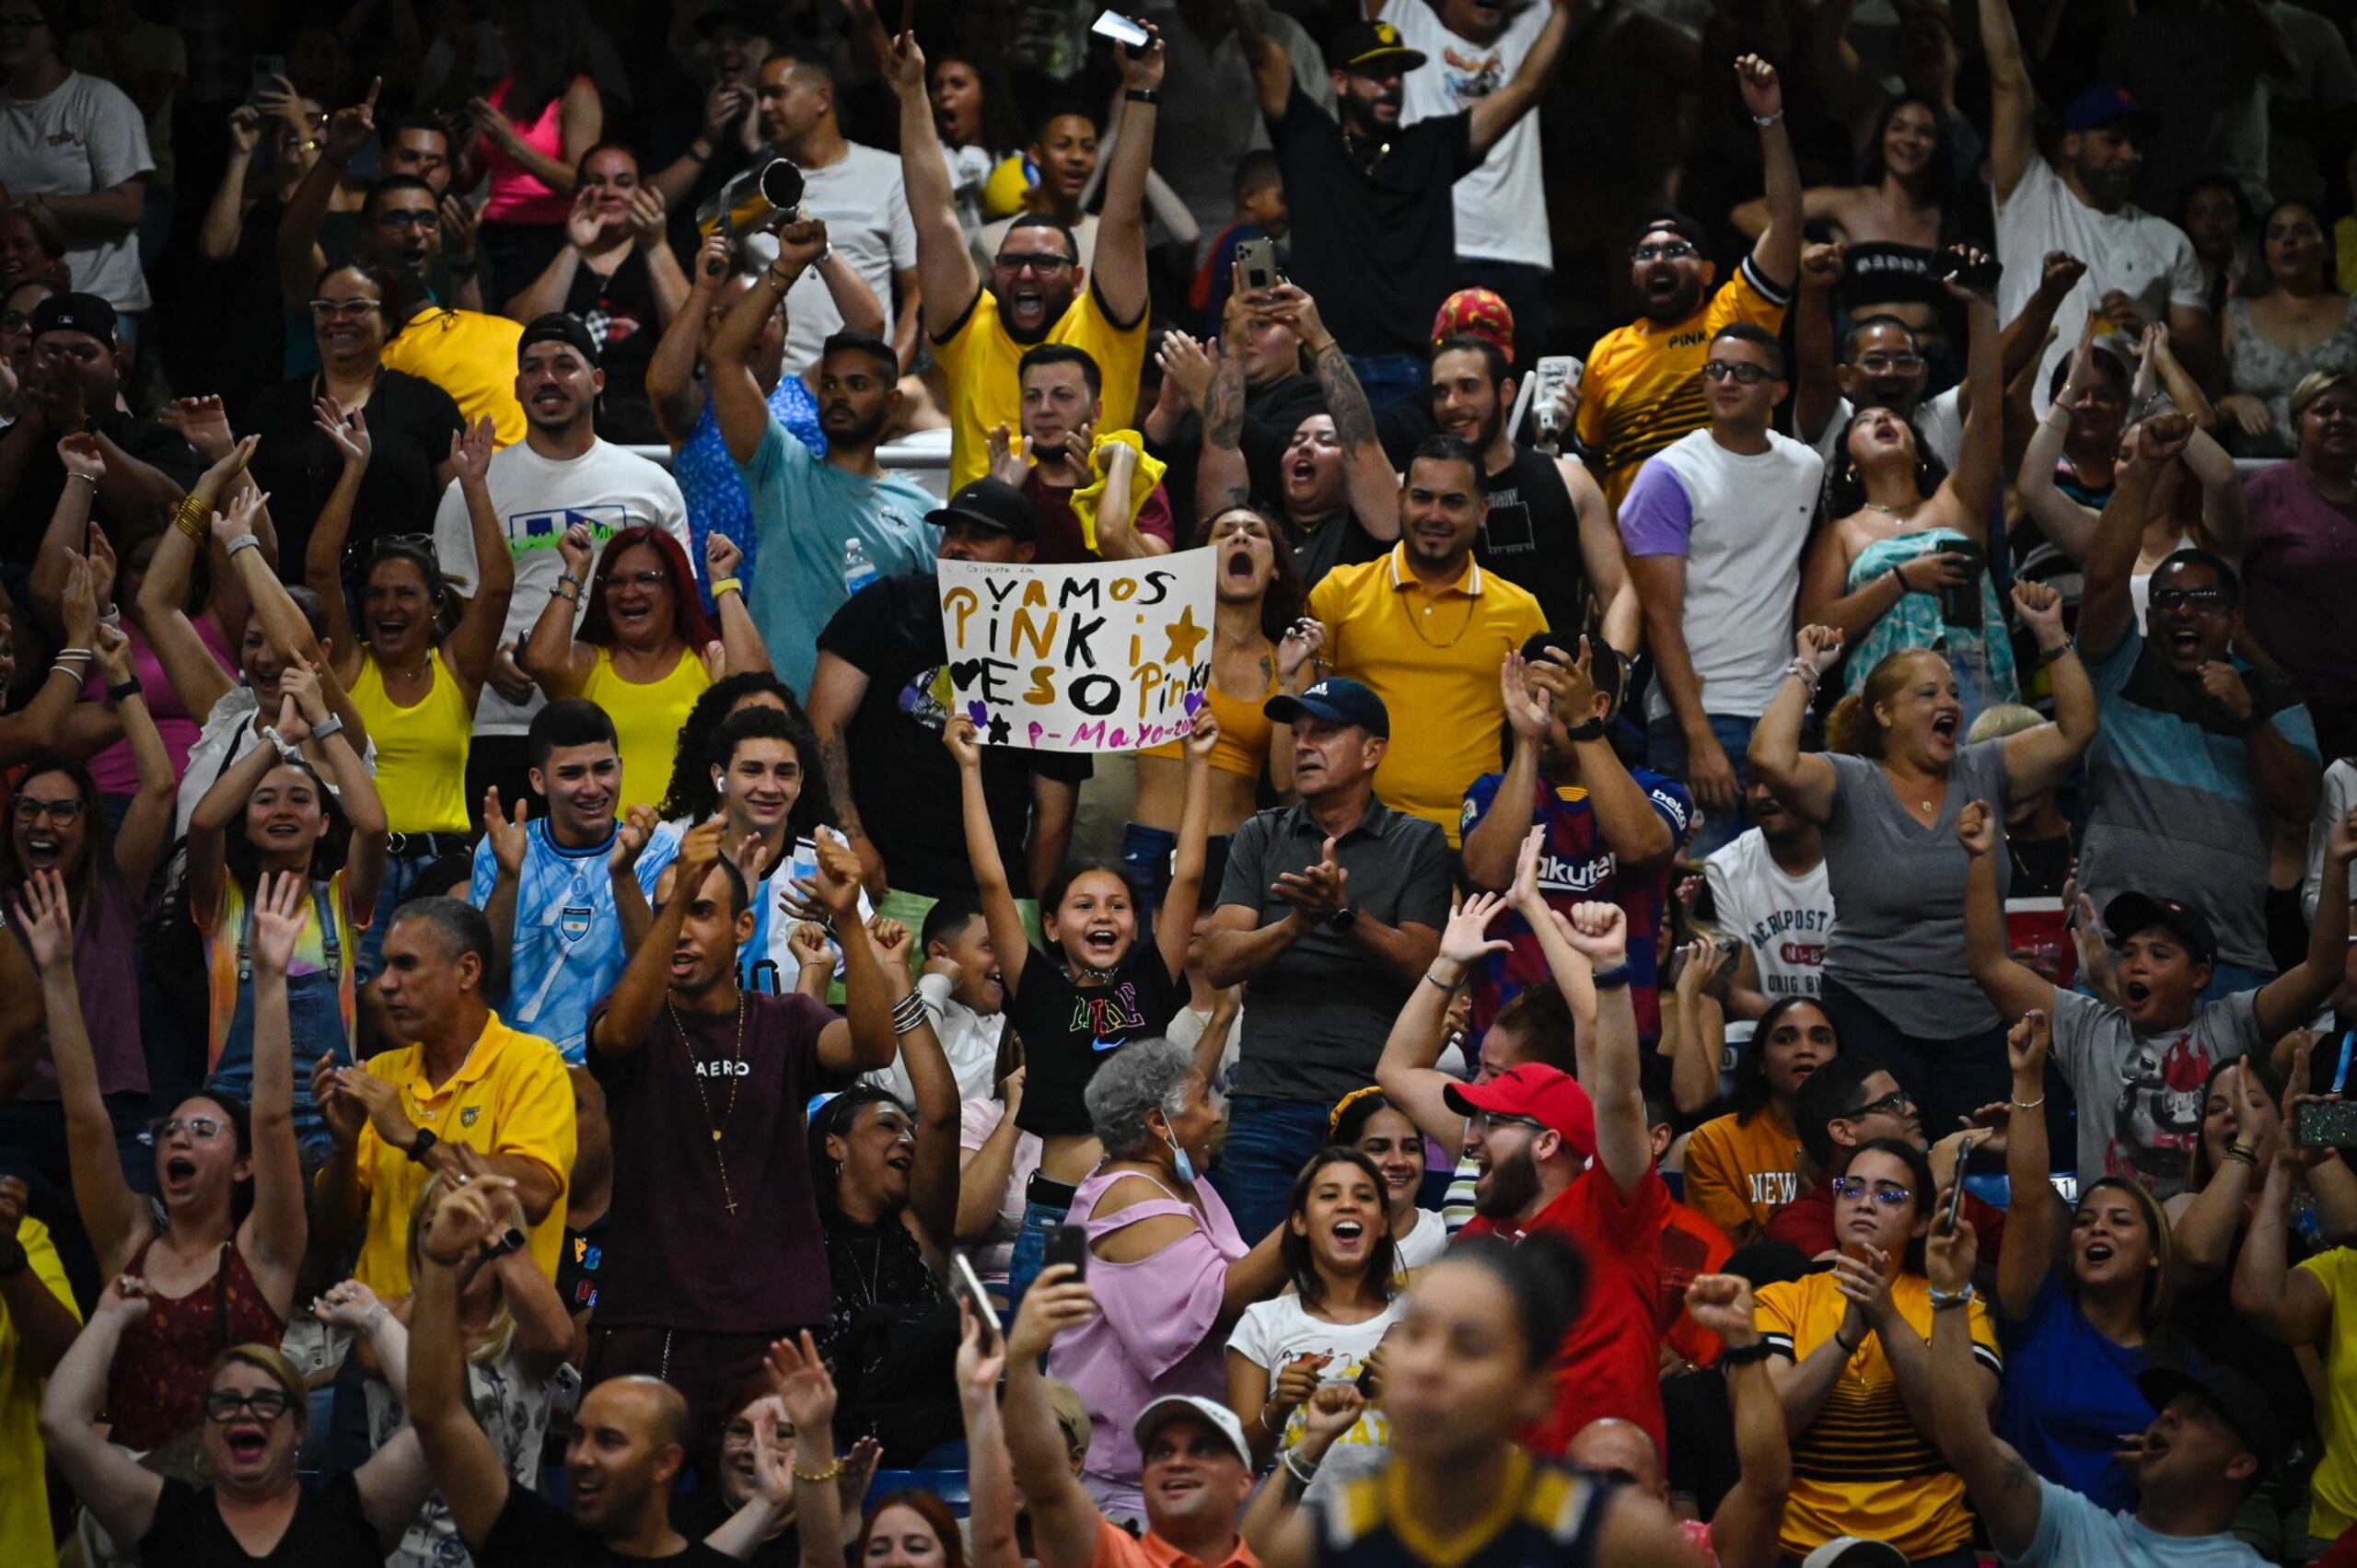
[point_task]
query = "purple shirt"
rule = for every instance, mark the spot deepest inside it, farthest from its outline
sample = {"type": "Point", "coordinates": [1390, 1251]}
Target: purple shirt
{"type": "Point", "coordinates": [2299, 578]}
{"type": "Point", "coordinates": [103, 934]}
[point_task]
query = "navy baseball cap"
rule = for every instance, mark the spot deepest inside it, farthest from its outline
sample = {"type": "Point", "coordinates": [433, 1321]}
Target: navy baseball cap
{"type": "Point", "coordinates": [2132, 913]}
{"type": "Point", "coordinates": [1337, 699]}
{"type": "Point", "coordinates": [2101, 106]}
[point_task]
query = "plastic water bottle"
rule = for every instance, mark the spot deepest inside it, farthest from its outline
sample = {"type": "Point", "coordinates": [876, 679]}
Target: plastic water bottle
{"type": "Point", "coordinates": [858, 570]}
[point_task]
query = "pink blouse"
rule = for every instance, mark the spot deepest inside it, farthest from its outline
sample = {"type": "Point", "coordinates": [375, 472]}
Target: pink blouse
{"type": "Point", "coordinates": [1153, 1334]}
{"type": "Point", "coordinates": [518, 195]}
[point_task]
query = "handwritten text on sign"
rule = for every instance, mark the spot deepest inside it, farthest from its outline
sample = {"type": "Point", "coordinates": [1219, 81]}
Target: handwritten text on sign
{"type": "Point", "coordinates": [1111, 655]}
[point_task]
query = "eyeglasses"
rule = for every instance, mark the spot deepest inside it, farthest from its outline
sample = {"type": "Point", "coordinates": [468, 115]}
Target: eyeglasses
{"type": "Point", "coordinates": [345, 307]}
{"type": "Point", "coordinates": [1890, 1104]}
{"type": "Point", "coordinates": [32, 810]}
{"type": "Point", "coordinates": [2199, 599]}
{"type": "Point", "coordinates": [1881, 1194]}
{"type": "Point", "coordinates": [1038, 262]}
{"type": "Point", "coordinates": [267, 1404]}
{"type": "Point", "coordinates": [407, 220]}
{"type": "Point", "coordinates": [1745, 374]}
{"type": "Point", "coordinates": [1662, 251]}
{"type": "Point", "coordinates": [619, 580]}
{"type": "Point", "coordinates": [1887, 363]}
{"type": "Point", "coordinates": [1493, 1119]}
{"type": "Point", "coordinates": [204, 1129]}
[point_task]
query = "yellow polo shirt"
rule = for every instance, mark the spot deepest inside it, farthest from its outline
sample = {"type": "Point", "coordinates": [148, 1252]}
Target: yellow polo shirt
{"type": "Point", "coordinates": [24, 1496]}
{"type": "Point", "coordinates": [980, 359]}
{"type": "Point", "coordinates": [469, 355]}
{"type": "Point", "coordinates": [1432, 656]}
{"type": "Point", "coordinates": [509, 1098]}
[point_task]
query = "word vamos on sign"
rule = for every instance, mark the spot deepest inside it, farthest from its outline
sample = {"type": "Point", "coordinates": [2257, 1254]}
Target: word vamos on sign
{"type": "Point", "coordinates": [1110, 656]}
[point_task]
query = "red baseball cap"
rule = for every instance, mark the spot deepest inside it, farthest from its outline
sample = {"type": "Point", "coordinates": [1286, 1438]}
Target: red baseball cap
{"type": "Point", "coordinates": [1548, 1096]}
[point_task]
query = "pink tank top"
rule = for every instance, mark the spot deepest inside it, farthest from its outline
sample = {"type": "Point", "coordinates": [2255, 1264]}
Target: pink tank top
{"type": "Point", "coordinates": [113, 769]}
{"type": "Point", "coordinates": [518, 195]}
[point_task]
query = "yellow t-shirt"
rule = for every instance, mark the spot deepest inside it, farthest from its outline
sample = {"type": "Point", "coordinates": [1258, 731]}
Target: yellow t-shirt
{"type": "Point", "coordinates": [24, 1496]}
{"type": "Point", "coordinates": [421, 750]}
{"type": "Point", "coordinates": [1432, 657]}
{"type": "Point", "coordinates": [2332, 1492]}
{"type": "Point", "coordinates": [647, 721]}
{"type": "Point", "coordinates": [980, 359]}
{"type": "Point", "coordinates": [509, 1098]}
{"type": "Point", "coordinates": [1643, 388]}
{"type": "Point", "coordinates": [1738, 1176]}
{"type": "Point", "coordinates": [469, 355]}
{"type": "Point", "coordinates": [1861, 1467]}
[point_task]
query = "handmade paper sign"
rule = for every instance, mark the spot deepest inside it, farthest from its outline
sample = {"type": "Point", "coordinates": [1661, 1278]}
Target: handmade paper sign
{"type": "Point", "coordinates": [1107, 656]}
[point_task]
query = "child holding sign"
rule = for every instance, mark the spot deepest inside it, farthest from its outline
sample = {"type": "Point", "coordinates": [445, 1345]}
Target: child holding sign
{"type": "Point", "coordinates": [1094, 989]}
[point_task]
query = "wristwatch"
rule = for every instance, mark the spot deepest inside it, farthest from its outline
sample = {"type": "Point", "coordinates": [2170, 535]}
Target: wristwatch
{"type": "Point", "coordinates": [514, 1240]}
{"type": "Point", "coordinates": [422, 1148]}
{"type": "Point", "coordinates": [1342, 920]}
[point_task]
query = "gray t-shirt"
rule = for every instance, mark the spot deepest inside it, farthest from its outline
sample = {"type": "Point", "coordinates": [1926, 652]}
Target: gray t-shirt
{"type": "Point", "coordinates": [1317, 1016]}
{"type": "Point", "coordinates": [1899, 885]}
{"type": "Point", "coordinates": [2140, 1095]}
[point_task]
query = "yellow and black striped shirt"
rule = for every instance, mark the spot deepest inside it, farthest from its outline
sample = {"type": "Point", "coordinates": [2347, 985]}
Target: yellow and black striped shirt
{"type": "Point", "coordinates": [1861, 1467]}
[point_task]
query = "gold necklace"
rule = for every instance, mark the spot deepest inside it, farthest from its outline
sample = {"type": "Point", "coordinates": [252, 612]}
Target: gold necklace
{"type": "Point", "coordinates": [1472, 605]}
{"type": "Point", "coordinates": [736, 1076]}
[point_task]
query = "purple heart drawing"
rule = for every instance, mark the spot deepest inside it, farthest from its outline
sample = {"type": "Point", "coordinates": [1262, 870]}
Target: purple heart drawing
{"type": "Point", "coordinates": [979, 711]}
{"type": "Point", "coordinates": [1194, 702]}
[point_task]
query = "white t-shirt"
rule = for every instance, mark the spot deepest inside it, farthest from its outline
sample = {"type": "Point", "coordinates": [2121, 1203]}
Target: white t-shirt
{"type": "Point", "coordinates": [1501, 202]}
{"type": "Point", "coordinates": [2075, 1531]}
{"type": "Point", "coordinates": [867, 213]}
{"type": "Point", "coordinates": [86, 135]}
{"type": "Point", "coordinates": [1421, 1246]}
{"type": "Point", "coordinates": [1785, 921]}
{"type": "Point", "coordinates": [970, 171]}
{"type": "Point", "coordinates": [537, 499]}
{"type": "Point", "coordinates": [1740, 520]}
{"type": "Point", "coordinates": [1273, 1332]}
{"type": "Point", "coordinates": [229, 733]}
{"type": "Point", "coordinates": [2145, 256]}
{"type": "Point", "coordinates": [1939, 425]}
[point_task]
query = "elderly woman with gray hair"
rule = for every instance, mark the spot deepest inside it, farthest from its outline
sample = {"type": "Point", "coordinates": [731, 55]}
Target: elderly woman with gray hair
{"type": "Point", "coordinates": [1169, 1273]}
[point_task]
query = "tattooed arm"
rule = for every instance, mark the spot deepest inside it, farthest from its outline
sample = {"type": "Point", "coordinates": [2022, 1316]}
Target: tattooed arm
{"type": "Point", "coordinates": [1374, 488]}
{"type": "Point", "coordinates": [1221, 479]}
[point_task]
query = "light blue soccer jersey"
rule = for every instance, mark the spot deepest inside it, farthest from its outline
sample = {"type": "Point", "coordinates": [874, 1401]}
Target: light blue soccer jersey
{"type": "Point", "coordinates": [568, 950]}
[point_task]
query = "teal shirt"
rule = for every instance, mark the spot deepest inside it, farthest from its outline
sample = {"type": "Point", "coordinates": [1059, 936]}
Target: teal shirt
{"type": "Point", "coordinates": [803, 510]}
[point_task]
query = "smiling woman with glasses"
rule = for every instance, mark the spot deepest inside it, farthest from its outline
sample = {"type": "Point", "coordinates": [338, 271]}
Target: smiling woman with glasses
{"type": "Point", "coordinates": [1850, 1361]}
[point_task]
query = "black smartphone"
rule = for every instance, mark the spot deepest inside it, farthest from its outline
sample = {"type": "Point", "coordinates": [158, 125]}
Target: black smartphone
{"type": "Point", "coordinates": [1069, 1244]}
{"type": "Point", "coordinates": [1982, 274]}
{"type": "Point", "coordinates": [1255, 264]}
{"type": "Point", "coordinates": [1954, 1206]}
{"type": "Point", "coordinates": [2328, 1124]}
{"type": "Point", "coordinates": [266, 71]}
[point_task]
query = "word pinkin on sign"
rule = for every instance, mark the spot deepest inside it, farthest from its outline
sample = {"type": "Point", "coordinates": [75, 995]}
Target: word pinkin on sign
{"type": "Point", "coordinates": [1111, 655]}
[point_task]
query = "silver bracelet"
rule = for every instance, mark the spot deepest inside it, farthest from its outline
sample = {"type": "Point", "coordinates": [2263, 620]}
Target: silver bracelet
{"type": "Point", "coordinates": [1764, 121]}
{"type": "Point", "coordinates": [1447, 985]}
{"type": "Point", "coordinates": [242, 543]}
{"type": "Point", "coordinates": [1805, 672]}
{"type": "Point", "coordinates": [908, 1015]}
{"type": "Point", "coordinates": [1305, 1477]}
{"type": "Point", "coordinates": [2026, 1104]}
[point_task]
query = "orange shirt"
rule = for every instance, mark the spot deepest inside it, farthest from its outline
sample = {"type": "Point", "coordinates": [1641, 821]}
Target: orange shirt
{"type": "Point", "coordinates": [1739, 1173]}
{"type": "Point", "coordinates": [1116, 1548]}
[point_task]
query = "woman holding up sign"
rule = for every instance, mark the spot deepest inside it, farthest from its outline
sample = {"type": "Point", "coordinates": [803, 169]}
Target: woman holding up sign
{"type": "Point", "coordinates": [1094, 988]}
{"type": "Point", "coordinates": [1256, 652]}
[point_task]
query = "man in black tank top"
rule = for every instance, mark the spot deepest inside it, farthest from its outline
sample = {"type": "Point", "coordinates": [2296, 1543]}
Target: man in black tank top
{"type": "Point", "coordinates": [1549, 525]}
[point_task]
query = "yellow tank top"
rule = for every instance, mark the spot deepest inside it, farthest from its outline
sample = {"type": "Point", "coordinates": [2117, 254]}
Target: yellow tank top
{"type": "Point", "coordinates": [647, 721]}
{"type": "Point", "coordinates": [1244, 729]}
{"type": "Point", "coordinates": [421, 750]}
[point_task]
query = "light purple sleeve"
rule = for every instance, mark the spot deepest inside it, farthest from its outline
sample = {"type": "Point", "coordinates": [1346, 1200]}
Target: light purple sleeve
{"type": "Point", "coordinates": [1164, 1307]}
{"type": "Point", "coordinates": [1657, 519]}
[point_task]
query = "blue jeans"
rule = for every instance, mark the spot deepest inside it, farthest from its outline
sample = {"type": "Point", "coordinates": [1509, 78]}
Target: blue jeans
{"type": "Point", "coordinates": [402, 875]}
{"type": "Point", "coordinates": [1388, 379]}
{"type": "Point", "coordinates": [1268, 1143]}
{"type": "Point", "coordinates": [1665, 751]}
{"type": "Point", "coordinates": [1039, 1221]}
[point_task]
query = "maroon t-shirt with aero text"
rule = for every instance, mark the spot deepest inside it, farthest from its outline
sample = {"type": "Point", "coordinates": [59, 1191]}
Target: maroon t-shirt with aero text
{"type": "Point", "coordinates": [689, 1262]}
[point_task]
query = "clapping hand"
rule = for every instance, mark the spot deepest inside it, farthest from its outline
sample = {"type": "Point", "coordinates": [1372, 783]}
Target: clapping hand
{"type": "Point", "coordinates": [1318, 892]}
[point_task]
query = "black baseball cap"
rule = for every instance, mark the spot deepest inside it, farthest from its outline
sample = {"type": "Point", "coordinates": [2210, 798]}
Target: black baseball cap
{"type": "Point", "coordinates": [1364, 46]}
{"type": "Point", "coordinates": [1337, 699]}
{"type": "Point", "coordinates": [558, 327]}
{"type": "Point", "coordinates": [990, 503]}
{"type": "Point", "coordinates": [2244, 1405]}
{"type": "Point", "coordinates": [2132, 913]}
{"type": "Point", "coordinates": [74, 313]}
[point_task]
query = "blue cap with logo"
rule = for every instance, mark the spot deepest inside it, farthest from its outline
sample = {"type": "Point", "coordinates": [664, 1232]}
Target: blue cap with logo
{"type": "Point", "coordinates": [2101, 106]}
{"type": "Point", "coordinates": [1337, 699]}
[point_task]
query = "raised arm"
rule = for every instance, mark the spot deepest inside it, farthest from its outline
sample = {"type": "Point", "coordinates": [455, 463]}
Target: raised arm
{"type": "Point", "coordinates": [1493, 845]}
{"type": "Point", "coordinates": [224, 214]}
{"type": "Point", "coordinates": [2014, 988]}
{"type": "Point", "coordinates": [114, 1216]}
{"type": "Point", "coordinates": [274, 1233]}
{"type": "Point", "coordinates": [1064, 1523]}
{"type": "Point", "coordinates": [837, 689]}
{"type": "Point", "coordinates": [1120, 281]}
{"type": "Point", "coordinates": [1175, 922]}
{"type": "Point", "coordinates": [348, 129]}
{"type": "Point", "coordinates": [1216, 381]}
{"type": "Point", "coordinates": [119, 1491]}
{"type": "Point", "coordinates": [1694, 1053]}
{"type": "Point", "coordinates": [1405, 1072]}
{"type": "Point", "coordinates": [945, 268]}
{"type": "Point", "coordinates": [2204, 1226]}
{"type": "Point", "coordinates": [638, 998]}
{"type": "Point", "coordinates": [671, 385]}
{"type": "Point", "coordinates": [1776, 256]}
{"type": "Point", "coordinates": [473, 644]}
{"type": "Point", "coordinates": [2288, 1305]}
{"type": "Point", "coordinates": [1493, 116]}
{"type": "Point", "coordinates": [323, 555]}
{"type": "Point", "coordinates": [1599, 933]}
{"type": "Point", "coordinates": [2012, 103]}
{"type": "Point", "coordinates": [2007, 1495]}
{"type": "Point", "coordinates": [1805, 784]}
{"type": "Point", "coordinates": [1980, 471]}
{"type": "Point", "coordinates": [473, 1479]}
{"type": "Point", "coordinates": [738, 405]}
{"type": "Point", "coordinates": [1816, 390]}
{"type": "Point", "coordinates": [550, 656]}
{"type": "Point", "coordinates": [2037, 1229]}
{"type": "Point", "coordinates": [2069, 526]}
{"type": "Point", "coordinates": [1743, 1531]}
{"type": "Point", "coordinates": [145, 832]}
{"type": "Point", "coordinates": [999, 912]}
{"type": "Point", "coordinates": [2042, 757]}
{"type": "Point", "coordinates": [2290, 998]}
{"type": "Point", "coordinates": [194, 673]}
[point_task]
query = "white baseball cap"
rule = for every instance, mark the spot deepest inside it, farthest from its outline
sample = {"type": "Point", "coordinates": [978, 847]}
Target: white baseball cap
{"type": "Point", "coordinates": [1218, 1416]}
